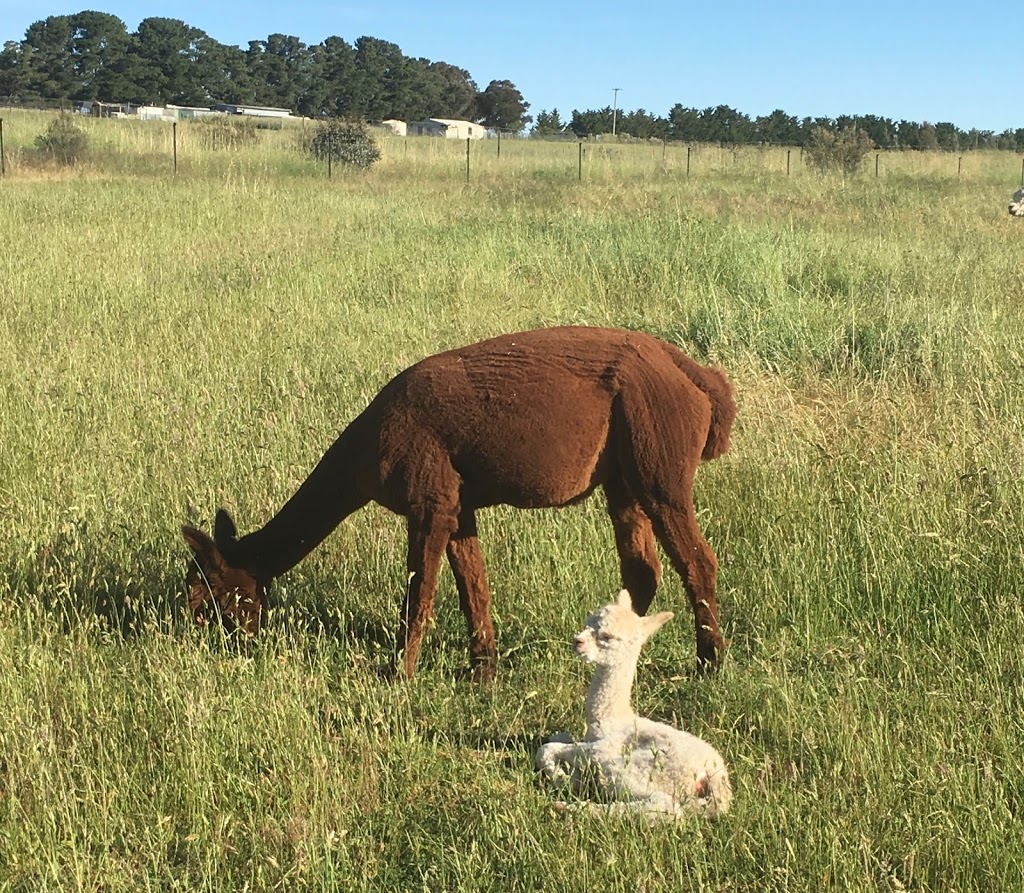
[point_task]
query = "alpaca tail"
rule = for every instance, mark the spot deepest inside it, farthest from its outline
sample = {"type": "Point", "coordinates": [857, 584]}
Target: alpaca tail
{"type": "Point", "coordinates": [719, 390]}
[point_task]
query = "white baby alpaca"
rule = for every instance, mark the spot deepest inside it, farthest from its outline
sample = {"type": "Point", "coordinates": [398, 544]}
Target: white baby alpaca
{"type": "Point", "coordinates": [1017, 203]}
{"type": "Point", "coordinates": [640, 765]}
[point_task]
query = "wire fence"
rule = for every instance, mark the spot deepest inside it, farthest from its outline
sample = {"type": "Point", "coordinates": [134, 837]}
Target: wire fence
{"type": "Point", "coordinates": [160, 148]}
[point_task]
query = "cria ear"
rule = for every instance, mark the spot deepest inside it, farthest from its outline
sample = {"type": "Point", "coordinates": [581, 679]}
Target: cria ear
{"type": "Point", "coordinates": [224, 531]}
{"type": "Point", "coordinates": [657, 621]}
{"type": "Point", "coordinates": [204, 548]}
{"type": "Point", "coordinates": [625, 600]}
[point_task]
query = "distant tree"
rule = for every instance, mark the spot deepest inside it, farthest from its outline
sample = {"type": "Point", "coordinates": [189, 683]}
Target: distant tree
{"type": "Point", "coordinates": [12, 71]}
{"type": "Point", "coordinates": [548, 124]}
{"type": "Point", "coordinates": [102, 62]}
{"type": "Point", "coordinates": [684, 124]}
{"type": "Point", "coordinates": [723, 124]}
{"type": "Point", "coordinates": [172, 63]}
{"type": "Point", "coordinates": [592, 122]}
{"type": "Point", "coordinates": [778, 129]}
{"type": "Point", "coordinates": [908, 134]}
{"type": "Point", "coordinates": [926, 137]}
{"type": "Point", "coordinates": [502, 107]}
{"type": "Point", "coordinates": [456, 92]}
{"type": "Point", "coordinates": [281, 71]}
{"type": "Point", "coordinates": [948, 136]}
{"type": "Point", "coordinates": [48, 55]}
{"type": "Point", "coordinates": [334, 67]}
{"type": "Point", "coordinates": [382, 80]}
{"type": "Point", "coordinates": [643, 125]}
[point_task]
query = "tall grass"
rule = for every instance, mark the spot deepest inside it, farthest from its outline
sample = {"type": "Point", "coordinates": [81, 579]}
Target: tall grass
{"type": "Point", "coordinates": [168, 345]}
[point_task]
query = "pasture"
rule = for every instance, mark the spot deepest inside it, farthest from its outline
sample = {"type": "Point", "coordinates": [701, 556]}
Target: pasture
{"type": "Point", "coordinates": [169, 345]}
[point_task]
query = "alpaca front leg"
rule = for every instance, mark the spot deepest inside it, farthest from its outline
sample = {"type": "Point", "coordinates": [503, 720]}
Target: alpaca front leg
{"type": "Point", "coordinates": [428, 536]}
{"type": "Point", "coordinates": [560, 761]}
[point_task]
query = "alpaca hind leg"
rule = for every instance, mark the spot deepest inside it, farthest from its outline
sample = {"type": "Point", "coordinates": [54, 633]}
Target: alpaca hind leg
{"type": "Point", "coordinates": [634, 539]}
{"type": "Point", "coordinates": [429, 532]}
{"type": "Point", "coordinates": [467, 563]}
{"type": "Point", "coordinates": [691, 556]}
{"type": "Point", "coordinates": [661, 427]}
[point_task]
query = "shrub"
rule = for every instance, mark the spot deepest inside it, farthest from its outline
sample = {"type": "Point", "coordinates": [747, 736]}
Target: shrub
{"type": "Point", "coordinates": [64, 140]}
{"type": "Point", "coordinates": [226, 132]}
{"type": "Point", "coordinates": [842, 151]}
{"type": "Point", "coordinates": [344, 142]}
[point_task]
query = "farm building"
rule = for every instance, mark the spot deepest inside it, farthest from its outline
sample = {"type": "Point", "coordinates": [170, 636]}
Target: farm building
{"type": "Point", "coordinates": [255, 111]}
{"type": "Point", "coordinates": [447, 127]}
{"type": "Point", "coordinates": [398, 128]}
{"type": "Point", "coordinates": [172, 112]}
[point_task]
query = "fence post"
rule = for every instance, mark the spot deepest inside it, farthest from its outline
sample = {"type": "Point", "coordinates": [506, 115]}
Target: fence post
{"type": "Point", "coordinates": [959, 162]}
{"type": "Point", "coordinates": [877, 156]}
{"type": "Point", "coordinates": [468, 139]}
{"type": "Point", "coordinates": [3, 163]}
{"type": "Point", "coordinates": [499, 142]}
{"type": "Point", "coordinates": [687, 161]}
{"type": "Point", "coordinates": [174, 145]}
{"type": "Point", "coordinates": [788, 152]}
{"type": "Point", "coordinates": [1022, 172]}
{"type": "Point", "coordinates": [579, 175]}
{"type": "Point", "coordinates": [330, 153]}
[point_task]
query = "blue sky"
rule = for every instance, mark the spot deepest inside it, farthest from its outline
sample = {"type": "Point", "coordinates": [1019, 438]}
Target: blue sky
{"type": "Point", "coordinates": [925, 61]}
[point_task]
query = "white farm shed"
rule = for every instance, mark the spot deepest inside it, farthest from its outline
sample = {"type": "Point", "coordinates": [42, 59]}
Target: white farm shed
{"type": "Point", "coordinates": [451, 128]}
{"type": "Point", "coordinates": [398, 128]}
{"type": "Point", "coordinates": [253, 111]}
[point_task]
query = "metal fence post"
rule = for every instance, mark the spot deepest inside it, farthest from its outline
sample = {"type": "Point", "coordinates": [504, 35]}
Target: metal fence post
{"type": "Point", "coordinates": [3, 162]}
{"type": "Point", "coordinates": [468, 139]}
{"type": "Point", "coordinates": [174, 145]}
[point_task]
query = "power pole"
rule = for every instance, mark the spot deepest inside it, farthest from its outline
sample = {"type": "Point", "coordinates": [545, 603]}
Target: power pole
{"type": "Point", "coordinates": [615, 106]}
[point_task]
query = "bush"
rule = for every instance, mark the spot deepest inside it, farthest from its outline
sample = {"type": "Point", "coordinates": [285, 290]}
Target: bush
{"type": "Point", "coordinates": [842, 151]}
{"type": "Point", "coordinates": [64, 140]}
{"type": "Point", "coordinates": [344, 142]}
{"type": "Point", "coordinates": [226, 132]}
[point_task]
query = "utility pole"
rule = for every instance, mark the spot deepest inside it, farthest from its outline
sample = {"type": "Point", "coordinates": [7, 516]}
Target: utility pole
{"type": "Point", "coordinates": [615, 106]}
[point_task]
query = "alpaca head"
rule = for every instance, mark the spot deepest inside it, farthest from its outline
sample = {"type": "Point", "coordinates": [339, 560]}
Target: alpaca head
{"type": "Point", "coordinates": [216, 587]}
{"type": "Point", "coordinates": [616, 633]}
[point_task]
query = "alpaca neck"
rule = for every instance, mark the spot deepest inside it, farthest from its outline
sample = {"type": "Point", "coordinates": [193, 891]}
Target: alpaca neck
{"type": "Point", "coordinates": [609, 699]}
{"type": "Point", "coordinates": [321, 503]}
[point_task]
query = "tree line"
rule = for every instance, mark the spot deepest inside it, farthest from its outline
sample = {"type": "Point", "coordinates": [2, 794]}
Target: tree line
{"type": "Point", "coordinates": [92, 56]}
{"type": "Point", "coordinates": [722, 124]}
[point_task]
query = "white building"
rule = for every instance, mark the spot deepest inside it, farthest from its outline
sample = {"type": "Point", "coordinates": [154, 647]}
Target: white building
{"type": "Point", "coordinates": [450, 128]}
{"type": "Point", "coordinates": [255, 111]}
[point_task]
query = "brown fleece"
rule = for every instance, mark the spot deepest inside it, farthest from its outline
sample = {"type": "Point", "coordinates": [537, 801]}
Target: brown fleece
{"type": "Point", "coordinates": [534, 420]}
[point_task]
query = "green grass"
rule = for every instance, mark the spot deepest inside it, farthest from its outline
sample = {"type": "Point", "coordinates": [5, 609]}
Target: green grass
{"type": "Point", "coordinates": [171, 345]}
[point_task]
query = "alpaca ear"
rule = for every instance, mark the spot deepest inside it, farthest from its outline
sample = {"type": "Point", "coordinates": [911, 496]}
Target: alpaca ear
{"type": "Point", "coordinates": [224, 530]}
{"type": "Point", "coordinates": [657, 621]}
{"type": "Point", "coordinates": [204, 548]}
{"type": "Point", "coordinates": [625, 600]}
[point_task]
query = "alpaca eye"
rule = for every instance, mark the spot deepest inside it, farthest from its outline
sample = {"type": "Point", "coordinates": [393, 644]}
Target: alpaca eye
{"type": "Point", "coordinates": [605, 636]}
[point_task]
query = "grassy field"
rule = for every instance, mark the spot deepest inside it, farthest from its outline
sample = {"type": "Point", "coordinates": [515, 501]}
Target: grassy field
{"type": "Point", "coordinates": [170, 345]}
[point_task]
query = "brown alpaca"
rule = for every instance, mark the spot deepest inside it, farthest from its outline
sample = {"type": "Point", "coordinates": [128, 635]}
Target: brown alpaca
{"type": "Point", "coordinates": [534, 420]}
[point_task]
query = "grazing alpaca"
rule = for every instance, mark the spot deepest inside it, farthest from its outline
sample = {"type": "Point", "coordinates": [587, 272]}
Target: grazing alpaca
{"type": "Point", "coordinates": [534, 420]}
{"type": "Point", "coordinates": [1017, 204]}
{"type": "Point", "coordinates": [640, 765]}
